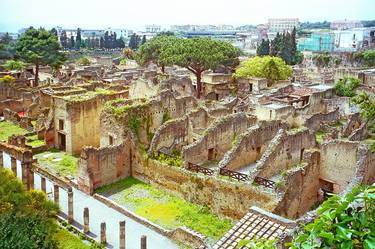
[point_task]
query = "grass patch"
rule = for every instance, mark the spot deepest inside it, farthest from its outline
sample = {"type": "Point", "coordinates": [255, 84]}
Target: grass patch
{"type": "Point", "coordinates": [66, 240]}
{"type": "Point", "coordinates": [164, 209]}
{"type": "Point", "coordinates": [8, 128]}
{"type": "Point", "coordinates": [33, 141]}
{"type": "Point", "coordinates": [58, 161]}
{"type": "Point", "coordinates": [320, 136]}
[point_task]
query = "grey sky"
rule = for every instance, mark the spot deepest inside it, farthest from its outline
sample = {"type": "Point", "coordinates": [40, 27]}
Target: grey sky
{"type": "Point", "coordinates": [134, 14]}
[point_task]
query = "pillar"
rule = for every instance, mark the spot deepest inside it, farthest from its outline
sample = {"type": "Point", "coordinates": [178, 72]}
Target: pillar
{"type": "Point", "coordinates": [103, 237]}
{"type": "Point", "coordinates": [43, 184]}
{"type": "Point", "coordinates": [13, 163]}
{"type": "Point", "coordinates": [143, 242]}
{"type": "Point", "coordinates": [56, 194]}
{"type": "Point", "coordinates": [122, 234]}
{"type": "Point", "coordinates": [1, 159]}
{"type": "Point", "coordinates": [86, 217]}
{"type": "Point", "coordinates": [25, 175]}
{"type": "Point", "coordinates": [70, 206]}
{"type": "Point", "coordinates": [31, 178]}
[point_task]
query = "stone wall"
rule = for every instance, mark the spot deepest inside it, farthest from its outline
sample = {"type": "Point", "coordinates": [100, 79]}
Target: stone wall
{"type": "Point", "coordinates": [173, 134]}
{"type": "Point", "coordinates": [250, 145]}
{"type": "Point", "coordinates": [226, 198]}
{"type": "Point", "coordinates": [101, 166]}
{"type": "Point", "coordinates": [23, 122]}
{"type": "Point", "coordinates": [218, 137]}
{"type": "Point", "coordinates": [301, 188]}
{"type": "Point", "coordinates": [338, 163]}
{"type": "Point", "coordinates": [285, 152]}
{"type": "Point", "coordinates": [150, 114]}
{"type": "Point", "coordinates": [315, 121]}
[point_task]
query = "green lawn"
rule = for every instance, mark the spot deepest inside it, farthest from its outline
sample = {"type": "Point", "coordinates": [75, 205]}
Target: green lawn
{"type": "Point", "coordinates": [58, 161]}
{"type": "Point", "coordinates": [66, 240]}
{"type": "Point", "coordinates": [164, 209]}
{"type": "Point", "coordinates": [33, 141]}
{"type": "Point", "coordinates": [7, 129]}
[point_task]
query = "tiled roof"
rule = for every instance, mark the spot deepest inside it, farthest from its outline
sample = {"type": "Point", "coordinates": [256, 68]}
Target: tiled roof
{"type": "Point", "coordinates": [257, 223]}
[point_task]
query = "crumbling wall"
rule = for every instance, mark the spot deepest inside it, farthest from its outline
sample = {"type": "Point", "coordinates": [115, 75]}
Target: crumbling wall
{"type": "Point", "coordinates": [286, 151]}
{"type": "Point", "coordinates": [301, 187]}
{"type": "Point", "coordinates": [101, 166]}
{"type": "Point", "coordinates": [314, 122]}
{"type": "Point", "coordinates": [340, 103]}
{"type": "Point", "coordinates": [218, 137]}
{"type": "Point", "coordinates": [226, 198]}
{"type": "Point", "coordinates": [251, 145]}
{"type": "Point", "coordinates": [338, 163]}
{"type": "Point", "coordinates": [173, 134]}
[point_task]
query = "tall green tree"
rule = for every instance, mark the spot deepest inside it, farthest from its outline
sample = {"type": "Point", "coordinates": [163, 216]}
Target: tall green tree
{"type": "Point", "coordinates": [7, 47]}
{"type": "Point", "coordinates": [78, 43]}
{"type": "Point", "coordinates": [263, 48]}
{"type": "Point", "coordinates": [144, 40]}
{"type": "Point", "coordinates": [151, 51]}
{"type": "Point", "coordinates": [199, 55]}
{"type": "Point", "coordinates": [27, 218]}
{"type": "Point", "coordinates": [72, 42]}
{"type": "Point", "coordinates": [134, 41]}
{"type": "Point", "coordinates": [54, 32]}
{"type": "Point", "coordinates": [40, 47]}
{"type": "Point", "coordinates": [64, 39]}
{"type": "Point", "coordinates": [271, 68]}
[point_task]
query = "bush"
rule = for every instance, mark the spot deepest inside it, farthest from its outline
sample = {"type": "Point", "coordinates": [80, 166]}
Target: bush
{"type": "Point", "coordinates": [346, 87]}
{"type": "Point", "coordinates": [83, 61]}
{"type": "Point", "coordinates": [342, 222]}
{"type": "Point", "coordinates": [26, 217]}
{"type": "Point", "coordinates": [7, 79]}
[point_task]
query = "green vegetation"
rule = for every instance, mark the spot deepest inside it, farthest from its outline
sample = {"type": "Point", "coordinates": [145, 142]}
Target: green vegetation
{"type": "Point", "coordinates": [366, 104]}
{"type": "Point", "coordinates": [320, 136]}
{"type": "Point", "coordinates": [66, 240]}
{"type": "Point", "coordinates": [34, 142]}
{"type": "Point", "coordinates": [166, 117]}
{"type": "Point", "coordinates": [7, 129]}
{"type": "Point", "coordinates": [40, 47]}
{"type": "Point", "coordinates": [342, 222]}
{"type": "Point", "coordinates": [195, 54]}
{"type": "Point", "coordinates": [104, 91]}
{"type": "Point", "coordinates": [174, 159]}
{"type": "Point", "coordinates": [14, 65]}
{"type": "Point", "coordinates": [257, 244]}
{"type": "Point", "coordinates": [271, 68]}
{"type": "Point", "coordinates": [83, 61]}
{"type": "Point", "coordinates": [26, 217]}
{"type": "Point", "coordinates": [134, 123]}
{"type": "Point", "coordinates": [322, 60]}
{"type": "Point", "coordinates": [58, 161]}
{"type": "Point", "coordinates": [283, 45]}
{"type": "Point", "coordinates": [166, 210]}
{"type": "Point", "coordinates": [367, 57]}
{"type": "Point", "coordinates": [7, 79]}
{"type": "Point", "coordinates": [346, 87]}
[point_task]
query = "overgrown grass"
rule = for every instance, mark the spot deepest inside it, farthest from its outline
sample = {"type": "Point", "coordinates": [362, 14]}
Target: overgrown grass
{"type": "Point", "coordinates": [7, 129]}
{"type": "Point", "coordinates": [58, 161]}
{"type": "Point", "coordinates": [67, 240]}
{"type": "Point", "coordinates": [320, 136]}
{"type": "Point", "coordinates": [164, 209]}
{"type": "Point", "coordinates": [174, 159]}
{"type": "Point", "coordinates": [33, 141]}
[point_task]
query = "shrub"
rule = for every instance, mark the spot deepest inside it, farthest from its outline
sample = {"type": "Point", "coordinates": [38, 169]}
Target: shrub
{"type": "Point", "coordinates": [342, 222]}
{"type": "Point", "coordinates": [7, 79]}
{"type": "Point", "coordinates": [346, 87]}
{"type": "Point", "coordinates": [83, 61]}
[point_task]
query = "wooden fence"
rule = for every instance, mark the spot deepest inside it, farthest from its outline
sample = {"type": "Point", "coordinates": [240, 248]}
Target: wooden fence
{"type": "Point", "coordinates": [199, 169]}
{"type": "Point", "coordinates": [235, 175]}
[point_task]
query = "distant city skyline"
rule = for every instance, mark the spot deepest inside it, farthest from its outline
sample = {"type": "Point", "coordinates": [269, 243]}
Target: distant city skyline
{"type": "Point", "coordinates": [97, 14]}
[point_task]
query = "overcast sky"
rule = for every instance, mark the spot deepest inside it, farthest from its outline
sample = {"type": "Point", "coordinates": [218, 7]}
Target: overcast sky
{"type": "Point", "coordinates": [135, 14]}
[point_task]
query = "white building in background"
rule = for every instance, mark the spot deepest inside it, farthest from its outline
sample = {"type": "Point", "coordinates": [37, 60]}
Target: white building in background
{"type": "Point", "coordinates": [346, 24]}
{"type": "Point", "coordinates": [282, 24]}
{"type": "Point", "coordinates": [354, 39]}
